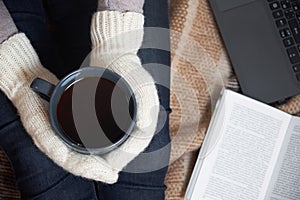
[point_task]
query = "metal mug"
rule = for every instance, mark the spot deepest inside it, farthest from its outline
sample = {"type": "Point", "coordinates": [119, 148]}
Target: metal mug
{"type": "Point", "coordinates": [53, 94]}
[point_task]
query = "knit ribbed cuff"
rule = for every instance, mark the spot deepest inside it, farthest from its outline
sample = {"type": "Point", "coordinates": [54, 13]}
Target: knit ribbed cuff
{"type": "Point", "coordinates": [115, 34]}
{"type": "Point", "coordinates": [19, 64]}
{"type": "Point", "coordinates": [115, 30]}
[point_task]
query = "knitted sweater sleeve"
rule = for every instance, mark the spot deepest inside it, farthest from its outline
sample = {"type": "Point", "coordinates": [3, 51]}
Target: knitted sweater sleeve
{"type": "Point", "coordinates": [121, 5]}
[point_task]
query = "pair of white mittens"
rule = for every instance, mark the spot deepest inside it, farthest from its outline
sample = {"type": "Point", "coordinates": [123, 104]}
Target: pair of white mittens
{"type": "Point", "coordinates": [116, 38]}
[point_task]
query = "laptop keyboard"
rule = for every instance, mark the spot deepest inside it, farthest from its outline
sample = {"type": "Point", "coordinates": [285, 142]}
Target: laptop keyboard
{"type": "Point", "coordinates": [286, 14]}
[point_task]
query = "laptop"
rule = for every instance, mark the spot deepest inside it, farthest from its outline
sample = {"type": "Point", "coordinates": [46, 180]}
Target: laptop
{"type": "Point", "coordinates": [262, 38]}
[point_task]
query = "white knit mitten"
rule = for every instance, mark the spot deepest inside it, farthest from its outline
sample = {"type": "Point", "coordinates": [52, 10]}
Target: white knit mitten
{"type": "Point", "coordinates": [19, 65]}
{"type": "Point", "coordinates": [116, 38]}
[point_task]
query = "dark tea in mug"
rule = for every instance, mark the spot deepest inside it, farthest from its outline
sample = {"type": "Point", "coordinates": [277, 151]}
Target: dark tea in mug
{"type": "Point", "coordinates": [93, 109]}
{"type": "Point", "coordinates": [94, 112]}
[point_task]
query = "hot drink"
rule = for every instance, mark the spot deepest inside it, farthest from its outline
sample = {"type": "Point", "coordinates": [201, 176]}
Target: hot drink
{"type": "Point", "coordinates": [94, 112]}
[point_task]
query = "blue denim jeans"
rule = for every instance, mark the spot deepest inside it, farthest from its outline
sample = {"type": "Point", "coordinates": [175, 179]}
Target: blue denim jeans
{"type": "Point", "coordinates": [59, 31]}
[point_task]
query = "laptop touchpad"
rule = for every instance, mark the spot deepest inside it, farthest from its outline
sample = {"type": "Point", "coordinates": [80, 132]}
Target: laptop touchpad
{"type": "Point", "coordinates": [229, 4]}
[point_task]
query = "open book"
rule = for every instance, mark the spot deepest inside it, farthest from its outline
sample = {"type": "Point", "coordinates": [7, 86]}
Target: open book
{"type": "Point", "coordinates": [251, 152]}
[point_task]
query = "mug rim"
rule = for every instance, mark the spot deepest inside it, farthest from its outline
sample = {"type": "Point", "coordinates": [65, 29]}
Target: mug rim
{"type": "Point", "coordinates": [69, 80]}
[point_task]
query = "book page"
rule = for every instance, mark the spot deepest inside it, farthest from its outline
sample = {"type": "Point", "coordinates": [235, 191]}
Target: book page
{"type": "Point", "coordinates": [285, 184]}
{"type": "Point", "coordinates": [240, 158]}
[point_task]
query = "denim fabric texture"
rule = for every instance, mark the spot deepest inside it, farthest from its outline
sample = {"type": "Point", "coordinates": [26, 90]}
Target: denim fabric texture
{"type": "Point", "coordinates": [60, 33]}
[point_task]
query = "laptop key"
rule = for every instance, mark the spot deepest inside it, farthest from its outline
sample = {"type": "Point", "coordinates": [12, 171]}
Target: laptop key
{"type": "Point", "coordinates": [295, 29]}
{"type": "Point", "coordinates": [296, 68]}
{"type": "Point", "coordinates": [280, 22]}
{"type": "Point", "coordinates": [288, 42]}
{"type": "Point", "coordinates": [274, 5]}
{"type": "Point", "coordinates": [285, 4]}
{"type": "Point", "coordinates": [289, 14]}
{"type": "Point", "coordinates": [277, 14]}
{"type": "Point", "coordinates": [288, 32]}
{"type": "Point", "coordinates": [282, 33]}
{"type": "Point", "coordinates": [293, 55]}
{"type": "Point", "coordinates": [295, 6]}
